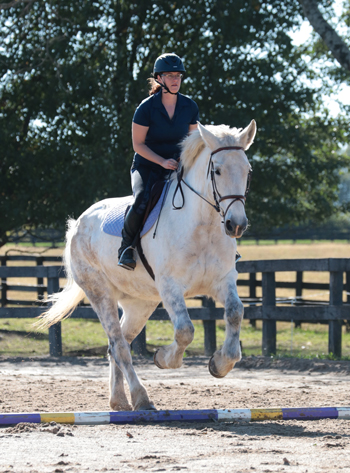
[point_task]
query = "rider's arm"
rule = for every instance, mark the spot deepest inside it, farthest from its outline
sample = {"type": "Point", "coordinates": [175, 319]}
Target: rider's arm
{"type": "Point", "coordinates": [139, 133]}
{"type": "Point", "coordinates": [192, 127]}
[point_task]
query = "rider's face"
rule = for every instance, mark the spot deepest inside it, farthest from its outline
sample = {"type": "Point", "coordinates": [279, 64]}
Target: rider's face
{"type": "Point", "coordinates": [172, 80]}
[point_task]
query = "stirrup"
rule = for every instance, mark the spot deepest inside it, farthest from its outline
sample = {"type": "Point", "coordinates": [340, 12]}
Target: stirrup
{"type": "Point", "coordinates": [238, 256]}
{"type": "Point", "coordinates": [124, 265]}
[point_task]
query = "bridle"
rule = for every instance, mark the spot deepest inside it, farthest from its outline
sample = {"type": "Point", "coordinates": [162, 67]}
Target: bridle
{"type": "Point", "coordinates": [216, 194]}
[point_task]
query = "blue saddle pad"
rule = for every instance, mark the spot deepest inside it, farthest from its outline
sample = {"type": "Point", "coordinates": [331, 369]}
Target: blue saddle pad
{"type": "Point", "coordinates": [114, 220]}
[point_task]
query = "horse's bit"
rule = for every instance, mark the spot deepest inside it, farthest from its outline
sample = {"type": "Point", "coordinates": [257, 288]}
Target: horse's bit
{"type": "Point", "coordinates": [216, 194]}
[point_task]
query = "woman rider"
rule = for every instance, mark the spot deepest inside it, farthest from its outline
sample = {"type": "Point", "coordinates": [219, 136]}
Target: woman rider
{"type": "Point", "coordinates": [160, 123]}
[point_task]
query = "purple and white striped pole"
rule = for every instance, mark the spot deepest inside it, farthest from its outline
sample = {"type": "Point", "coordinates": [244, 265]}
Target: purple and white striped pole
{"type": "Point", "coordinates": [202, 415]}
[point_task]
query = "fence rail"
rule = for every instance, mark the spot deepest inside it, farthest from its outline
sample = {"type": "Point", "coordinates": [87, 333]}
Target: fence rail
{"type": "Point", "coordinates": [266, 308]}
{"type": "Point", "coordinates": [331, 233]}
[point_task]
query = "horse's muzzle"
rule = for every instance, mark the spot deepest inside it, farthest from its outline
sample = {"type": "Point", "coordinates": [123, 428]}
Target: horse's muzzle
{"type": "Point", "coordinates": [235, 230]}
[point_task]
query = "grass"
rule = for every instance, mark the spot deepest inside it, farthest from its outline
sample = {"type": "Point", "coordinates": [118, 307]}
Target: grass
{"type": "Point", "coordinates": [311, 340]}
{"type": "Point", "coordinates": [19, 338]}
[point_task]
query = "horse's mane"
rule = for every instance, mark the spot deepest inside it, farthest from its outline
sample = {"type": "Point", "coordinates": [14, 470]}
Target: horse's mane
{"type": "Point", "coordinates": [193, 144]}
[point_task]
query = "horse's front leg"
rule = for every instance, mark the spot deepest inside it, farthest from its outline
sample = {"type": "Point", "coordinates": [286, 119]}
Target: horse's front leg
{"type": "Point", "coordinates": [173, 300]}
{"type": "Point", "coordinates": [226, 357]}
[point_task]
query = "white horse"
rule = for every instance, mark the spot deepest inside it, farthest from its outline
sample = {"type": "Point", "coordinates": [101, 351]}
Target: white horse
{"type": "Point", "coordinates": [193, 253]}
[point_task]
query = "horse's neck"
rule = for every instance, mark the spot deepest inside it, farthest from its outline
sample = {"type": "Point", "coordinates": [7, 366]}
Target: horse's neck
{"type": "Point", "coordinates": [196, 176]}
{"type": "Point", "coordinates": [200, 212]}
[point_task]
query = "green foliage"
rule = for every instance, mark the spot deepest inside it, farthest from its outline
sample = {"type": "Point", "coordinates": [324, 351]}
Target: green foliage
{"type": "Point", "coordinates": [334, 75]}
{"type": "Point", "coordinates": [72, 74]}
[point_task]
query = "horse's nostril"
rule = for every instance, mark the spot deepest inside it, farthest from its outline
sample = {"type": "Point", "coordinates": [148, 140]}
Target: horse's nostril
{"type": "Point", "coordinates": [229, 226]}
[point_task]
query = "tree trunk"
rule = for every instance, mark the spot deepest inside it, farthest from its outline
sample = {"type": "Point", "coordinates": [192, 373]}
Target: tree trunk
{"type": "Point", "coordinates": [333, 41]}
{"type": "Point", "coordinates": [3, 239]}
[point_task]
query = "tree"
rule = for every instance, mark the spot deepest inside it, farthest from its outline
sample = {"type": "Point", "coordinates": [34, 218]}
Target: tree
{"type": "Point", "coordinates": [336, 45]}
{"type": "Point", "coordinates": [329, 48]}
{"type": "Point", "coordinates": [72, 74]}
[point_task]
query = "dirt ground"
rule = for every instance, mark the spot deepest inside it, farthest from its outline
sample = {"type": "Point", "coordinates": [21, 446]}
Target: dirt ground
{"type": "Point", "coordinates": [81, 384]}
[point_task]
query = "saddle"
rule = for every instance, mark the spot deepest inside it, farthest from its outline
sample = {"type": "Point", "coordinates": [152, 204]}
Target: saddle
{"type": "Point", "coordinates": [114, 220]}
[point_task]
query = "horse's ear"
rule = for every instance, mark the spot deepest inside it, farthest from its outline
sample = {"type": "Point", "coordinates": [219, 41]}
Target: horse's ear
{"type": "Point", "coordinates": [209, 139]}
{"type": "Point", "coordinates": [246, 137]}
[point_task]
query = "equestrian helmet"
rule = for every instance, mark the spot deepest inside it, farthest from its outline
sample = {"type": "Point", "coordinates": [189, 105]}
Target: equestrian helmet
{"type": "Point", "coordinates": [168, 62]}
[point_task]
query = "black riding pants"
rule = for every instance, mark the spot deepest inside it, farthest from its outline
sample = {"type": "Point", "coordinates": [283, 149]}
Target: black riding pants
{"type": "Point", "coordinates": [142, 180]}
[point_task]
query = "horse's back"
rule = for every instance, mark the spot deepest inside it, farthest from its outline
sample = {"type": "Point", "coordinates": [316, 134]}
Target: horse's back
{"type": "Point", "coordinates": [94, 254]}
{"type": "Point", "coordinates": [87, 236]}
{"type": "Point", "coordinates": [99, 209]}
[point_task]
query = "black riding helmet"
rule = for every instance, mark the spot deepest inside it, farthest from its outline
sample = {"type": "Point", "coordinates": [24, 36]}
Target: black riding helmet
{"type": "Point", "coordinates": [168, 62]}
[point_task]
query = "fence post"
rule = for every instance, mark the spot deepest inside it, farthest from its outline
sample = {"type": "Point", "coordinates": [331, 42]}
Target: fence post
{"type": "Point", "coordinates": [298, 293]}
{"type": "Point", "coordinates": [138, 345]}
{"type": "Point", "coordinates": [40, 281]}
{"type": "Point", "coordinates": [209, 329]}
{"type": "Point", "coordinates": [252, 293]}
{"type": "Point", "coordinates": [55, 334]}
{"type": "Point", "coordinates": [299, 284]}
{"type": "Point", "coordinates": [269, 326]}
{"type": "Point", "coordinates": [347, 288]}
{"type": "Point", "coordinates": [335, 299]}
{"type": "Point", "coordinates": [3, 262]}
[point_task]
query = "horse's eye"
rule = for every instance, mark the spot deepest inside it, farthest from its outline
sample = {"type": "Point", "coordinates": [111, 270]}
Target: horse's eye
{"type": "Point", "coordinates": [218, 172]}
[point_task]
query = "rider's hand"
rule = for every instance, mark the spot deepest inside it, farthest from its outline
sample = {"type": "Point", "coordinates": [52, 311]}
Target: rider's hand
{"type": "Point", "coordinates": [171, 164]}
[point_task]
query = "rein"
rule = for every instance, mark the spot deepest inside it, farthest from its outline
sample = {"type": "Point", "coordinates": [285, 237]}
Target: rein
{"type": "Point", "coordinates": [179, 188]}
{"type": "Point", "coordinates": [216, 194]}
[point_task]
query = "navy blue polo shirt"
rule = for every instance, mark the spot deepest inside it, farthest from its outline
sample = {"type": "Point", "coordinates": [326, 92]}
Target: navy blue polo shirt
{"type": "Point", "coordinates": [164, 135]}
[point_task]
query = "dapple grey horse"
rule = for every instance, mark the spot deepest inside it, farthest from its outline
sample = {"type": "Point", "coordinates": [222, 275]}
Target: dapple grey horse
{"type": "Point", "coordinates": [193, 253]}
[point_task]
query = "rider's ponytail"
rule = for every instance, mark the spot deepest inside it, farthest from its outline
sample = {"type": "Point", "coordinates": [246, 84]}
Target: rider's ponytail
{"type": "Point", "coordinates": [154, 87]}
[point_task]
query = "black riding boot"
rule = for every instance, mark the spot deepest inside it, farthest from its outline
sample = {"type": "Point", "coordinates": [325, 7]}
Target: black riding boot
{"type": "Point", "coordinates": [132, 224]}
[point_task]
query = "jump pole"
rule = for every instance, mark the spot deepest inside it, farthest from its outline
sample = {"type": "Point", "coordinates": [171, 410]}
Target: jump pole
{"type": "Point", "coordinates": [203, 415]}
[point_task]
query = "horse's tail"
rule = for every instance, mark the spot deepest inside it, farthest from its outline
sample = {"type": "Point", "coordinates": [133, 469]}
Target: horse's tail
{"type": "Point", "coordinates": [66, 301]}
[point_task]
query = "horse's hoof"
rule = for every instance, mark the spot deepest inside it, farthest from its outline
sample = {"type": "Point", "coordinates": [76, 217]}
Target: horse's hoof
{"type": "Point", "coordinates": [149, 408]}
{"type": "Point", "coordinates": [212, 369]}
{"type": "Point", "coordinates": [155, 360]}
{"type": "Point", "coordinates": [121, 407]}
{"type": "Point", "coordinates": [145, 407]}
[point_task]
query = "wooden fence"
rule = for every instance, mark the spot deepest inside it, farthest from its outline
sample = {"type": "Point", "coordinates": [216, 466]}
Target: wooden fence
{"type": "Point", "coordinates": [334, 231]}
{"type": "Point", "coordinates": [311, 234]}
{"type": "Point", "coordinates": [268, 308]}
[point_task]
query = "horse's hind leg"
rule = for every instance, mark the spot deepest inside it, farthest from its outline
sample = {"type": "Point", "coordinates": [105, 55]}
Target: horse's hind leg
{"type": "Point", "coordinates": [135, 315]}
{"type": "Point", "coordinates": [117, 397]}
{"type": "Point", "coordinates": [104, 300]}
{"type": "Point", "coordinates": [136, 312]}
